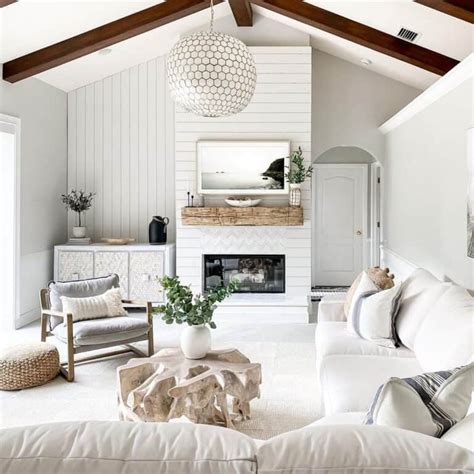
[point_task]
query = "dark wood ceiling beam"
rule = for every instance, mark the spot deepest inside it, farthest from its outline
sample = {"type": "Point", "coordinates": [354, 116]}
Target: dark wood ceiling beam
{"type": "Point", "coordinates": [462, 9]}
{"type": "Point", "coordinates": [101, 37]}
{"type": "Point", "coordinates": [242, 10]}
{"type": "Point", "coordinates": [361, 34]}
{"type": "Point", "coordinates": [4, 3]}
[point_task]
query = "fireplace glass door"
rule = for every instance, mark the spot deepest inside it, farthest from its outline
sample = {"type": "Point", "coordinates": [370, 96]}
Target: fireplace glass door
{"type": "Point", "coordinates": [255, 273]}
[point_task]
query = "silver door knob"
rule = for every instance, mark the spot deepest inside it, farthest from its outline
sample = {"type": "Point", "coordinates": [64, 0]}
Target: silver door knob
{"type": "Point", "coordinates": [359, 232]}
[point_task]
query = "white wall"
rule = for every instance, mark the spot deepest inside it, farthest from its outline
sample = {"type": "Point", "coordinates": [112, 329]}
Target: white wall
{"type": "Point", "coordinates": [426, 180]}
{"type": "Point", "coordinates": [121, 146]}
{"type": "Point", "coordinates": [43, 113]}
{"type": "Point", "coordinates": [279, 110]}
{"type": "Point", "coordinates": [350, 103]}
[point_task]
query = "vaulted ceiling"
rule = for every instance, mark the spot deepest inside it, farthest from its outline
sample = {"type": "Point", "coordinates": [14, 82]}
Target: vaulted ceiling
{"type": "Point", "coordinates": [443, 37]}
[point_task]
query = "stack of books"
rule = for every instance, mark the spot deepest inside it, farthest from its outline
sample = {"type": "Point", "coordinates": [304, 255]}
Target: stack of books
{"type": "Point", "coordinates": [79, 240]}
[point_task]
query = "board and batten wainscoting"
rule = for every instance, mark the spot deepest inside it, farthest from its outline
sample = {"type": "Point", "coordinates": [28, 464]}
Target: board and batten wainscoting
{"type": "Point", "coordinates": [279, 110]}
{"type": "Point", "coordinates": [121, 146]}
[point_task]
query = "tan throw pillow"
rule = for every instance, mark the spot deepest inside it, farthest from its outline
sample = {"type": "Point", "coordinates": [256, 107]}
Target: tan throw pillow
{"type": "Point", "coordinates": [109, 304]}
{"type": "Point", "coordinates": [381, 277]}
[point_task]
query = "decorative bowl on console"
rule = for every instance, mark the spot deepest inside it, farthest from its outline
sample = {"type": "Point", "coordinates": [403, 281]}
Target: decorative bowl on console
{"type": "Point", "coordinates": [242, 201]}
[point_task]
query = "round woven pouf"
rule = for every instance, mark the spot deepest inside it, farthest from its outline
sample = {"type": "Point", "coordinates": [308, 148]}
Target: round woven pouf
{"type": "Point", "coordinates": [28, 365]}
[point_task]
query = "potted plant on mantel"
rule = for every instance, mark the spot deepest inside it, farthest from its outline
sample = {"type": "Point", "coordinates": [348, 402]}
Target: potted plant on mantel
{"type": "Point", "coordinates": [196, 310]}
{"type": "Point", "coordinates": [78, 201]}
{"type": "Point", "coordinates": [297, 174]}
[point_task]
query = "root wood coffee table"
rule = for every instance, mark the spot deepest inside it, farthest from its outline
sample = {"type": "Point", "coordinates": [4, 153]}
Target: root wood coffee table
{"type": "Point", "coordinates": [167, 385]}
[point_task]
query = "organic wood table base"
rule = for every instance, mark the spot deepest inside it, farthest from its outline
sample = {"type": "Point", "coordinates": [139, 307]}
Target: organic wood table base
{"type": "Point", "coordinates": [167, 385]}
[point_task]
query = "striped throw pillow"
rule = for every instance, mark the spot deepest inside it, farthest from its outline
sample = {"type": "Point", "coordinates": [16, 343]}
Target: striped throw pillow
{"type": "Point", "coordinates": [430, 403]}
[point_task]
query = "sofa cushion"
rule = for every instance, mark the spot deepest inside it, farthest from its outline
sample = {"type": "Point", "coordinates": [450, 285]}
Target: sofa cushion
{"type": "Point", "coordinates": [78, 289]}
{"type": "Point", "coordinates": [346, 449]}
{"type": "Point", "coordinates": [333, 338]}
{"type": "Point", "coordinates": [349, 383]}
{"type": "Point", "coordinates": [103, 331]}
{"type": "Point", "coordinates": [430, 403]}
{"type": "Point", "coordinates": [349, 418]}
{"type": "Point", "coordinates": [125, 448]}
{"type": "Point", "coordinates": [414, 304]}
{"type": "Point", "coordinates": [445, 338]}
{"type": "Point", "coordinates": [462, 433]}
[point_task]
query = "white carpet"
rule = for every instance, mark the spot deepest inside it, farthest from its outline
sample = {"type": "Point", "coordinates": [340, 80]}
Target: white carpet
{"type": "Point", "coordinates": [289, 394]}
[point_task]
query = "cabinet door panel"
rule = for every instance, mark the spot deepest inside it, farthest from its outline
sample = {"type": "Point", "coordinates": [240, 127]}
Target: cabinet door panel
{"type": "Point", "coordinates": [145, 269]}
{"type": "Point", "coordinates": [75, 265]}
{"type": "Point", "coordinates": [113, 262]}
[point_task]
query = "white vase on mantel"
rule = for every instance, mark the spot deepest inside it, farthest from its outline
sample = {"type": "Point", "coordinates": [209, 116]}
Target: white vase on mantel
{"type": "Point", "coordinates": [294, 198]}
{"type": "Point", "coordinates": [196, 341]}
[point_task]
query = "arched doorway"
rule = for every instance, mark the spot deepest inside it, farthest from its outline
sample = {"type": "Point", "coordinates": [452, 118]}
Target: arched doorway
{"type": "Point", "coordinates": [346, 215]}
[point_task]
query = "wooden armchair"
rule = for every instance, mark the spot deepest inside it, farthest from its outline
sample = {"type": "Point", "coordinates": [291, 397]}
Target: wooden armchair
{"type": "Point", "coordinates": [92, 335]}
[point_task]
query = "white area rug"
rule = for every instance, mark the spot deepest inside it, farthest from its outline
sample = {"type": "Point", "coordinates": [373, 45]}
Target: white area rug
{"type": "Point", "coordinates": [289, 395]}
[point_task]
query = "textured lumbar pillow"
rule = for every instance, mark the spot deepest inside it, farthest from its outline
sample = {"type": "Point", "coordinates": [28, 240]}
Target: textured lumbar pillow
{"type": "Point", "coordinates": [430, 403]}
{"type": "Point", "coordinates": [380, 277]}
{"type": "Point", "coordinates": [109, 304]}
{"type": "Point", "coordinates": [373, 316]}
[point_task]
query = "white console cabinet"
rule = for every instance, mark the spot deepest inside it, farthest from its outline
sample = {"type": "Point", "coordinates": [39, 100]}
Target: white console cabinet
{"type": "Point", "coordinates": [138, 266]}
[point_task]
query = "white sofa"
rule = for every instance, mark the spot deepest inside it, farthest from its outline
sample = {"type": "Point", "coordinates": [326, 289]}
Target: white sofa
{"type": "Point", "coordinates": [435, 325]}
{"type": "Point", "coordinates": [111, 447]}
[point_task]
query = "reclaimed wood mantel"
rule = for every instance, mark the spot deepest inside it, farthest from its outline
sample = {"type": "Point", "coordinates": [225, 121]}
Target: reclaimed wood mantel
{"type": "Point", "coordinates": [251, 216]}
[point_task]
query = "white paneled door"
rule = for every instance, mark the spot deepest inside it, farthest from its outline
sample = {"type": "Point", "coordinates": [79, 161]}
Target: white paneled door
{"type": "Point", "coordinates": [340, 222]}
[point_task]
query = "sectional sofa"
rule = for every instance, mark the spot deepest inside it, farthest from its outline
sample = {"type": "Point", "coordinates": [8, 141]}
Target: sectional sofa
{"type": "Point", "coordinates": [435, 324]}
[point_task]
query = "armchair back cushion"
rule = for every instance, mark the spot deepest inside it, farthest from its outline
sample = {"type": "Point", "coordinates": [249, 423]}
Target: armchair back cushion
{"type": "Point", "coordinates": [78, 289]}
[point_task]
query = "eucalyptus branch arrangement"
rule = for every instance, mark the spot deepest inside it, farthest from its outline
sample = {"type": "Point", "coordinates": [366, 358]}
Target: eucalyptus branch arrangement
{"type": "Point", "coordinates": [297, 171]}
{"type": "Point", "coordinates": [77, 201]}
{"type": "Point", "coordinates": [183, 306]}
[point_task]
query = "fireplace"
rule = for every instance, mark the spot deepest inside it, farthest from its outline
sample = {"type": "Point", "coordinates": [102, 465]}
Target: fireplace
{"type": "Point", "coordinates": [256, 273]}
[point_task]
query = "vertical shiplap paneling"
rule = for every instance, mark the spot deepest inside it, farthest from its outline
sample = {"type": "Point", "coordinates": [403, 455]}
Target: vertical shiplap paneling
{"type": "Point", "coordinates": [121, 141]}
{"type": "Point", "coordinates": [143, 150]}
{"type": "Point", "coordinates": [125, 152]}
{"type": "Point", "coordinates": [72, 156]}
{"type": "Point", "coordinates": [152, 133]}
{"type": "Point", "coordinates": [107, 170]}
{"type": "Point", "coordinates": [97, 185]}
{"type": "Point", "coordinates": [116, 157]}
{"type": "Point", "coordinates": [134, 153]}
{"type": "Point", "coordinates": [90, 155]}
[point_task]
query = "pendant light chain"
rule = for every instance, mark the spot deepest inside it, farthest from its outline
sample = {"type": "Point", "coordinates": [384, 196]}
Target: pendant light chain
{"type": "Point", "coordinates": [212, 15]}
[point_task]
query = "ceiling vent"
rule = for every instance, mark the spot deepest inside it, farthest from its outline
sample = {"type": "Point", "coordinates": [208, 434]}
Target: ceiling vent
{"type": "Point", "coordinates": [407, 35]}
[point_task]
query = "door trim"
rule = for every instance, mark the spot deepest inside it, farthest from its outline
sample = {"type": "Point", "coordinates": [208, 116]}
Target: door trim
{"type": "Point", "coordinates": [366, 242]}
{"type": "Point", "coordinates": [16, 123]}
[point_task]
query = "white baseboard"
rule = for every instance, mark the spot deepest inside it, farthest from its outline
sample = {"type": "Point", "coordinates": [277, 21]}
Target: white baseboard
{"type": "Point", "coordinates": [399, 266]}
{"type": "Point", "coordinates": [26, 318]}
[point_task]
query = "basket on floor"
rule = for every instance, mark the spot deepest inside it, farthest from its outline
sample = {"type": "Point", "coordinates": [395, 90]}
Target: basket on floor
{"type": "Point", "coordinates": [28, 365]}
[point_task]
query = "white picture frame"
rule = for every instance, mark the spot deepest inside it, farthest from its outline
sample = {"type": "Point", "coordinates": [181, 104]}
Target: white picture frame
{"type": "Point", "coordinates": [237, 167]}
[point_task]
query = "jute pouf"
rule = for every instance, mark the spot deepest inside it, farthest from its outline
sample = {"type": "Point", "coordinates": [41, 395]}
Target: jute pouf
{"type": "Point", "coordinates": [28, 365]}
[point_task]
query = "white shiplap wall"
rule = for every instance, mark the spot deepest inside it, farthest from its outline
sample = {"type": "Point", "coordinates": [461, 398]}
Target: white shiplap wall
{"type": "Point", "coordinates": [121, 146]}
{"type": "Point", "coordinates": [280, 109]}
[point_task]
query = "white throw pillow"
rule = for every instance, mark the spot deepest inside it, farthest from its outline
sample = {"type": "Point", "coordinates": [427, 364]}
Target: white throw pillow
{"type": "Point", "coordinates": [366, 285]}
{"type": "Point", "coordinates": [109, 304]}
{"type": "Point", "coordinates": [430, 403]}
{"type": "Point", "coordinates": [445, 338]}
{"type": "Point", "coordinates": [373, 316]}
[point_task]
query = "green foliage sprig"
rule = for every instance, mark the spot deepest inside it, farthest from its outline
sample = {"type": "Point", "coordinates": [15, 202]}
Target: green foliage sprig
{"type": "Point", "coordinates": [183, 306]}
{"type": "Point", "coordinates": [297, 171]}
{"type": "Point", "coordinates": [77, 201]}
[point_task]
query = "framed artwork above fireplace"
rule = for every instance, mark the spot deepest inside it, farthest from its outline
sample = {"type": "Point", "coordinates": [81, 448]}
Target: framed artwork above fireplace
{"type": "Point", "coordinates": [242, 167]}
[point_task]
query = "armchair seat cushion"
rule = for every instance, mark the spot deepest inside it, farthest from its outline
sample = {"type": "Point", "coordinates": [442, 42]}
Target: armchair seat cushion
{"type": "Point", "coordinates": [103, 330]}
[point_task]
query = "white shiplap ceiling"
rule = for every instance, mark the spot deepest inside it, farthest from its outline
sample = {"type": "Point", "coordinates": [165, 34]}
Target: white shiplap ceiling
{"type": "Point", "coordinates": [32, 24]}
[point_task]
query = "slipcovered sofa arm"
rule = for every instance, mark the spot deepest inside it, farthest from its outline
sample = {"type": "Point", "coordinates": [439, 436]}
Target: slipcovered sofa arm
{"type": "Point", "coordinates": [331, 309]}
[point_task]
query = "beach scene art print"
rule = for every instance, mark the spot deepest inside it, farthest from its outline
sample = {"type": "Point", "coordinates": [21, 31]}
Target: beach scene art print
{"type": "Point", "coordinates": [242, 167]}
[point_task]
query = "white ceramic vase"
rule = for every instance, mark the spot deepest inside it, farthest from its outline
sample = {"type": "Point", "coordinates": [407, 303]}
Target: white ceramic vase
{"type": "Point", "coordinates": [79, 232]}
{"type": "Point", "coordinates": [196, 341]}
{"type": "Point", "coordinates": [294, 197]}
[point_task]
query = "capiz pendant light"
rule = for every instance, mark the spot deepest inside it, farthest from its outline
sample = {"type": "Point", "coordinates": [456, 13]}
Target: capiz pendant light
{"type": "Point", "coordinates": [211, 74]}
